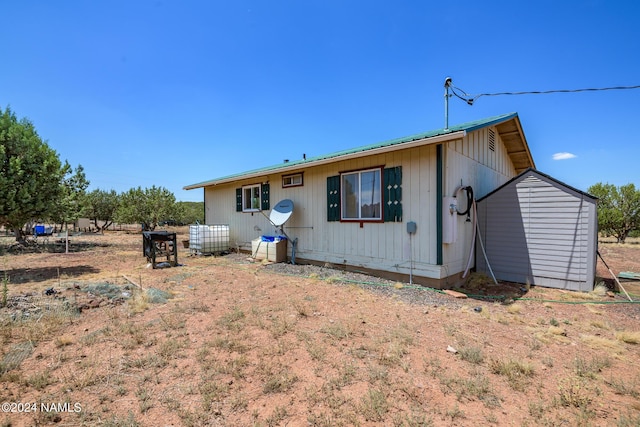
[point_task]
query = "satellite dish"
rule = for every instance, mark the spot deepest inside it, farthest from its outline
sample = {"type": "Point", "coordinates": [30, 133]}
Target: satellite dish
{"type": "Point", "coordinates": [281, 212]}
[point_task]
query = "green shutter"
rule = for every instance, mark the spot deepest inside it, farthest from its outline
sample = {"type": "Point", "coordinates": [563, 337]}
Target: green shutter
{"type": "Point", "coordinates": [333, 198]}
{"type": "Point", "coordinates": [392, 179]}
{"type": "Point", "coordinates": [265, 197]}
{"type": "Point", "coordinates": [238, 199]}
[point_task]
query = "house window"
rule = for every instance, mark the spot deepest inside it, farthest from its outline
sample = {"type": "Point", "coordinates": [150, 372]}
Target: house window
{"type": "Point", "coordinates": [251, 198]}
{"type": "Point", "coordinates": [294, 180]}
{"type": "Point", "coordinates": [361, 195]}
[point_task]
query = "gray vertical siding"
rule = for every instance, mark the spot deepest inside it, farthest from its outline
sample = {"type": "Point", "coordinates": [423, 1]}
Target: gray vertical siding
{"type": "Point", "coordinates": [538, 231]}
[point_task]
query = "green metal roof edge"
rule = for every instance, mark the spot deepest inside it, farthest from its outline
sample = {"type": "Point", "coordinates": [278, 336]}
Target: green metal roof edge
{"type": "Point", "coordinates": [468, 127]}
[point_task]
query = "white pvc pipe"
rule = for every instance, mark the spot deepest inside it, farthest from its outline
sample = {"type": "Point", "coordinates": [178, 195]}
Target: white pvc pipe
{"type": "Point", "coordinates": [476, 227]}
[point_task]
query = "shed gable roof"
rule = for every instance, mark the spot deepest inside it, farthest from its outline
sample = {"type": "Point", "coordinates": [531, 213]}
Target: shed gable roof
{"type": "Point", "coordinates": [544, 177]}
{"type": "Point", "coordinates": [507, 125]}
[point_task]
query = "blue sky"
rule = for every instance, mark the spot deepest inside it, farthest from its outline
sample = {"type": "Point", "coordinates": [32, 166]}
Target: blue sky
{"type": "Point", "coordinates": [171, 93]}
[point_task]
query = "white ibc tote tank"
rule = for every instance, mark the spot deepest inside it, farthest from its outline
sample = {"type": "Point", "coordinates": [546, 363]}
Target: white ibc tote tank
{"type": "Point", "coordinates": [207, 239]}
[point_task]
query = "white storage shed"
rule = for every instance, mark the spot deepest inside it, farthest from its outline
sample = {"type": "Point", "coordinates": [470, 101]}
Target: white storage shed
{"type": "Point", "coordinates": [538, 230]}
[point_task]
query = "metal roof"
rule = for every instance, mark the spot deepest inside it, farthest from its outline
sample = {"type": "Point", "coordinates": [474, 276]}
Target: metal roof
{"type": "Point", "coordinates": [507, 125]}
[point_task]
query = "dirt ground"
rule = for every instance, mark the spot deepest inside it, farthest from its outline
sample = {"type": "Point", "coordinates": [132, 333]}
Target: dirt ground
{"type": "Point", "coordinates": [96, 337]}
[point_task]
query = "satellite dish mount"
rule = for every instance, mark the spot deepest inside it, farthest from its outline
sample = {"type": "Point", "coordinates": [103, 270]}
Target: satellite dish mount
{"type": "Point", "coordinates": [280, 214]}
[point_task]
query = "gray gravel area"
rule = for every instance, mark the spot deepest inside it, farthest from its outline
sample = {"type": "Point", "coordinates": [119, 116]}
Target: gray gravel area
{"type": "Point", "coordinates": [412, 294]}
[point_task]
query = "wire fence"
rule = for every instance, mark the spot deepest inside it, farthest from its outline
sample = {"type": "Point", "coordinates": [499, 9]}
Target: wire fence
{"type": "Point", "coordinates": [84, 227]}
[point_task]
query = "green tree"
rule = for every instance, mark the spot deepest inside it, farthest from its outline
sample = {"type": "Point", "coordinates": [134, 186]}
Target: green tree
{"type": "Point", "coordinates": [72, 201]}
{"type": "Point", "coordinates": [30, 174]}
{"type": "Point", "coordinates": [618, 209]}
{"type": "Point", "coordinates": [146, 207]}
{"type": "Point", "coordinates": [101, 207]}
{"type": "Point", "coordinates": [192, 212]}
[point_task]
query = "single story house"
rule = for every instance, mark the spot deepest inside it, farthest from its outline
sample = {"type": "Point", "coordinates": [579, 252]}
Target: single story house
{"type": "Point", "coordinates": [387, 208]}
{"type": "Point", "coordinates": [538, 230]}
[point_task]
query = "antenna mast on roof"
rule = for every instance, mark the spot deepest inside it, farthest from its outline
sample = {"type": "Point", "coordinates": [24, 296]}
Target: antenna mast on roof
{"type": "Point", "coordinates": [447, 84]}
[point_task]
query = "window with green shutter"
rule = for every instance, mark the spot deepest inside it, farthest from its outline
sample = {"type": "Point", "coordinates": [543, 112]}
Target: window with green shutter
{"type": "Point", "coordinates": [391, 191]}
{"type": "Point", "coordinates": [253, 198]}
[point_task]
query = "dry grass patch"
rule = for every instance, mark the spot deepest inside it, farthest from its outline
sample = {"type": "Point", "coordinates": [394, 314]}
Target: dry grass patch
{"type": "Point", "coordinates": [602, 344]}
{"type": "Point", "coordinates": [553, 334]}
{"type": "Point", "coordinates": [233, 320]}
{"type": "Point", "coordinates": [589, 368]}
{"type": "Point", "coordinates": [576, 392]}
{"type": "Point", "coordinates": [394, 344]}
{"type": "Point", "coordinates": [330, 407]}
{"type": "Point", "coordinates": [599, 290]}
{"type": "Point", "coordinates": [132, 335]}
{"type": "Point", "coordinates": [455, 413]}
{"type": "Point", "coordinates": [594, 309]}
{"type": "Point", "coordinates": [471, 354]}
{"type": "Point", "coordinates": [629, 337]}
{"type": "Point", "coordinates": [416, 418]}
{"type": "Point", "coordinates": [235, 366]}
{"type": "Point", "coordinates": [278, 415]}
{"type": "Point", "coordinates": [81, 377]}
{"type": "Point", "coordinates": [212, 392]}
{"type": "Point", "coordinates": [337, 330]}
{"type": "Point", "coordinates": [280, 325]}
{"type": "Point", "coordinates": [624, 386]}
{"type": "Point", "coordinates": [47, 324]}
{"type": "Point", "coordinates": [629, 419]}
{"type": "Point", "coordinates": [279, 382]}
{"type": "Point", "coordinates": [302, 308]}
{"type": "Point", "coordinates": [374, 405]}
{"type": "Point", "coordinates": [174, 321]}
{"type": "Point", "coordinates": [579, 296]}
{"type": "Point", "coordinates": [63, 341]}
{"type": "Point", "coordinates": [172, 348]}
{"type": "Point", "coordinates": [600, 324]}
{"type": "Point", "coordinates": [139, 302]}
{"type": "Point", "coordinates": [316, 350]}
{"type": "Point", "coordinates": [515, 308]}
{"type": "Point", "coordinates": [517, 373]}
{"type": "Point", "coordinates": [557, 330]}
{"type": "Point", "coordinates": [40, 381]}
{"type": "Point", "coordinates": [472, 387]}
{"type": "Point", "coordinates": [230, 344]}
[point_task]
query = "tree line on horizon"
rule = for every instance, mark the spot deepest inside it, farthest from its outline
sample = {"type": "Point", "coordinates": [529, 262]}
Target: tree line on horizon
{"type": "Point", "coordinates": [35, 186]}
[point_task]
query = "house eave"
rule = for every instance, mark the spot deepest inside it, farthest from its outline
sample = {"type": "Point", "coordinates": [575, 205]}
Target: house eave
{"type": "Point", "coordinates": [515, 142]}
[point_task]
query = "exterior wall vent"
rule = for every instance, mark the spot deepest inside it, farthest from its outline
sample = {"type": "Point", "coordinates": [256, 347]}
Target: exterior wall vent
{"type": "Point", "coordinates": [492, 140]}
